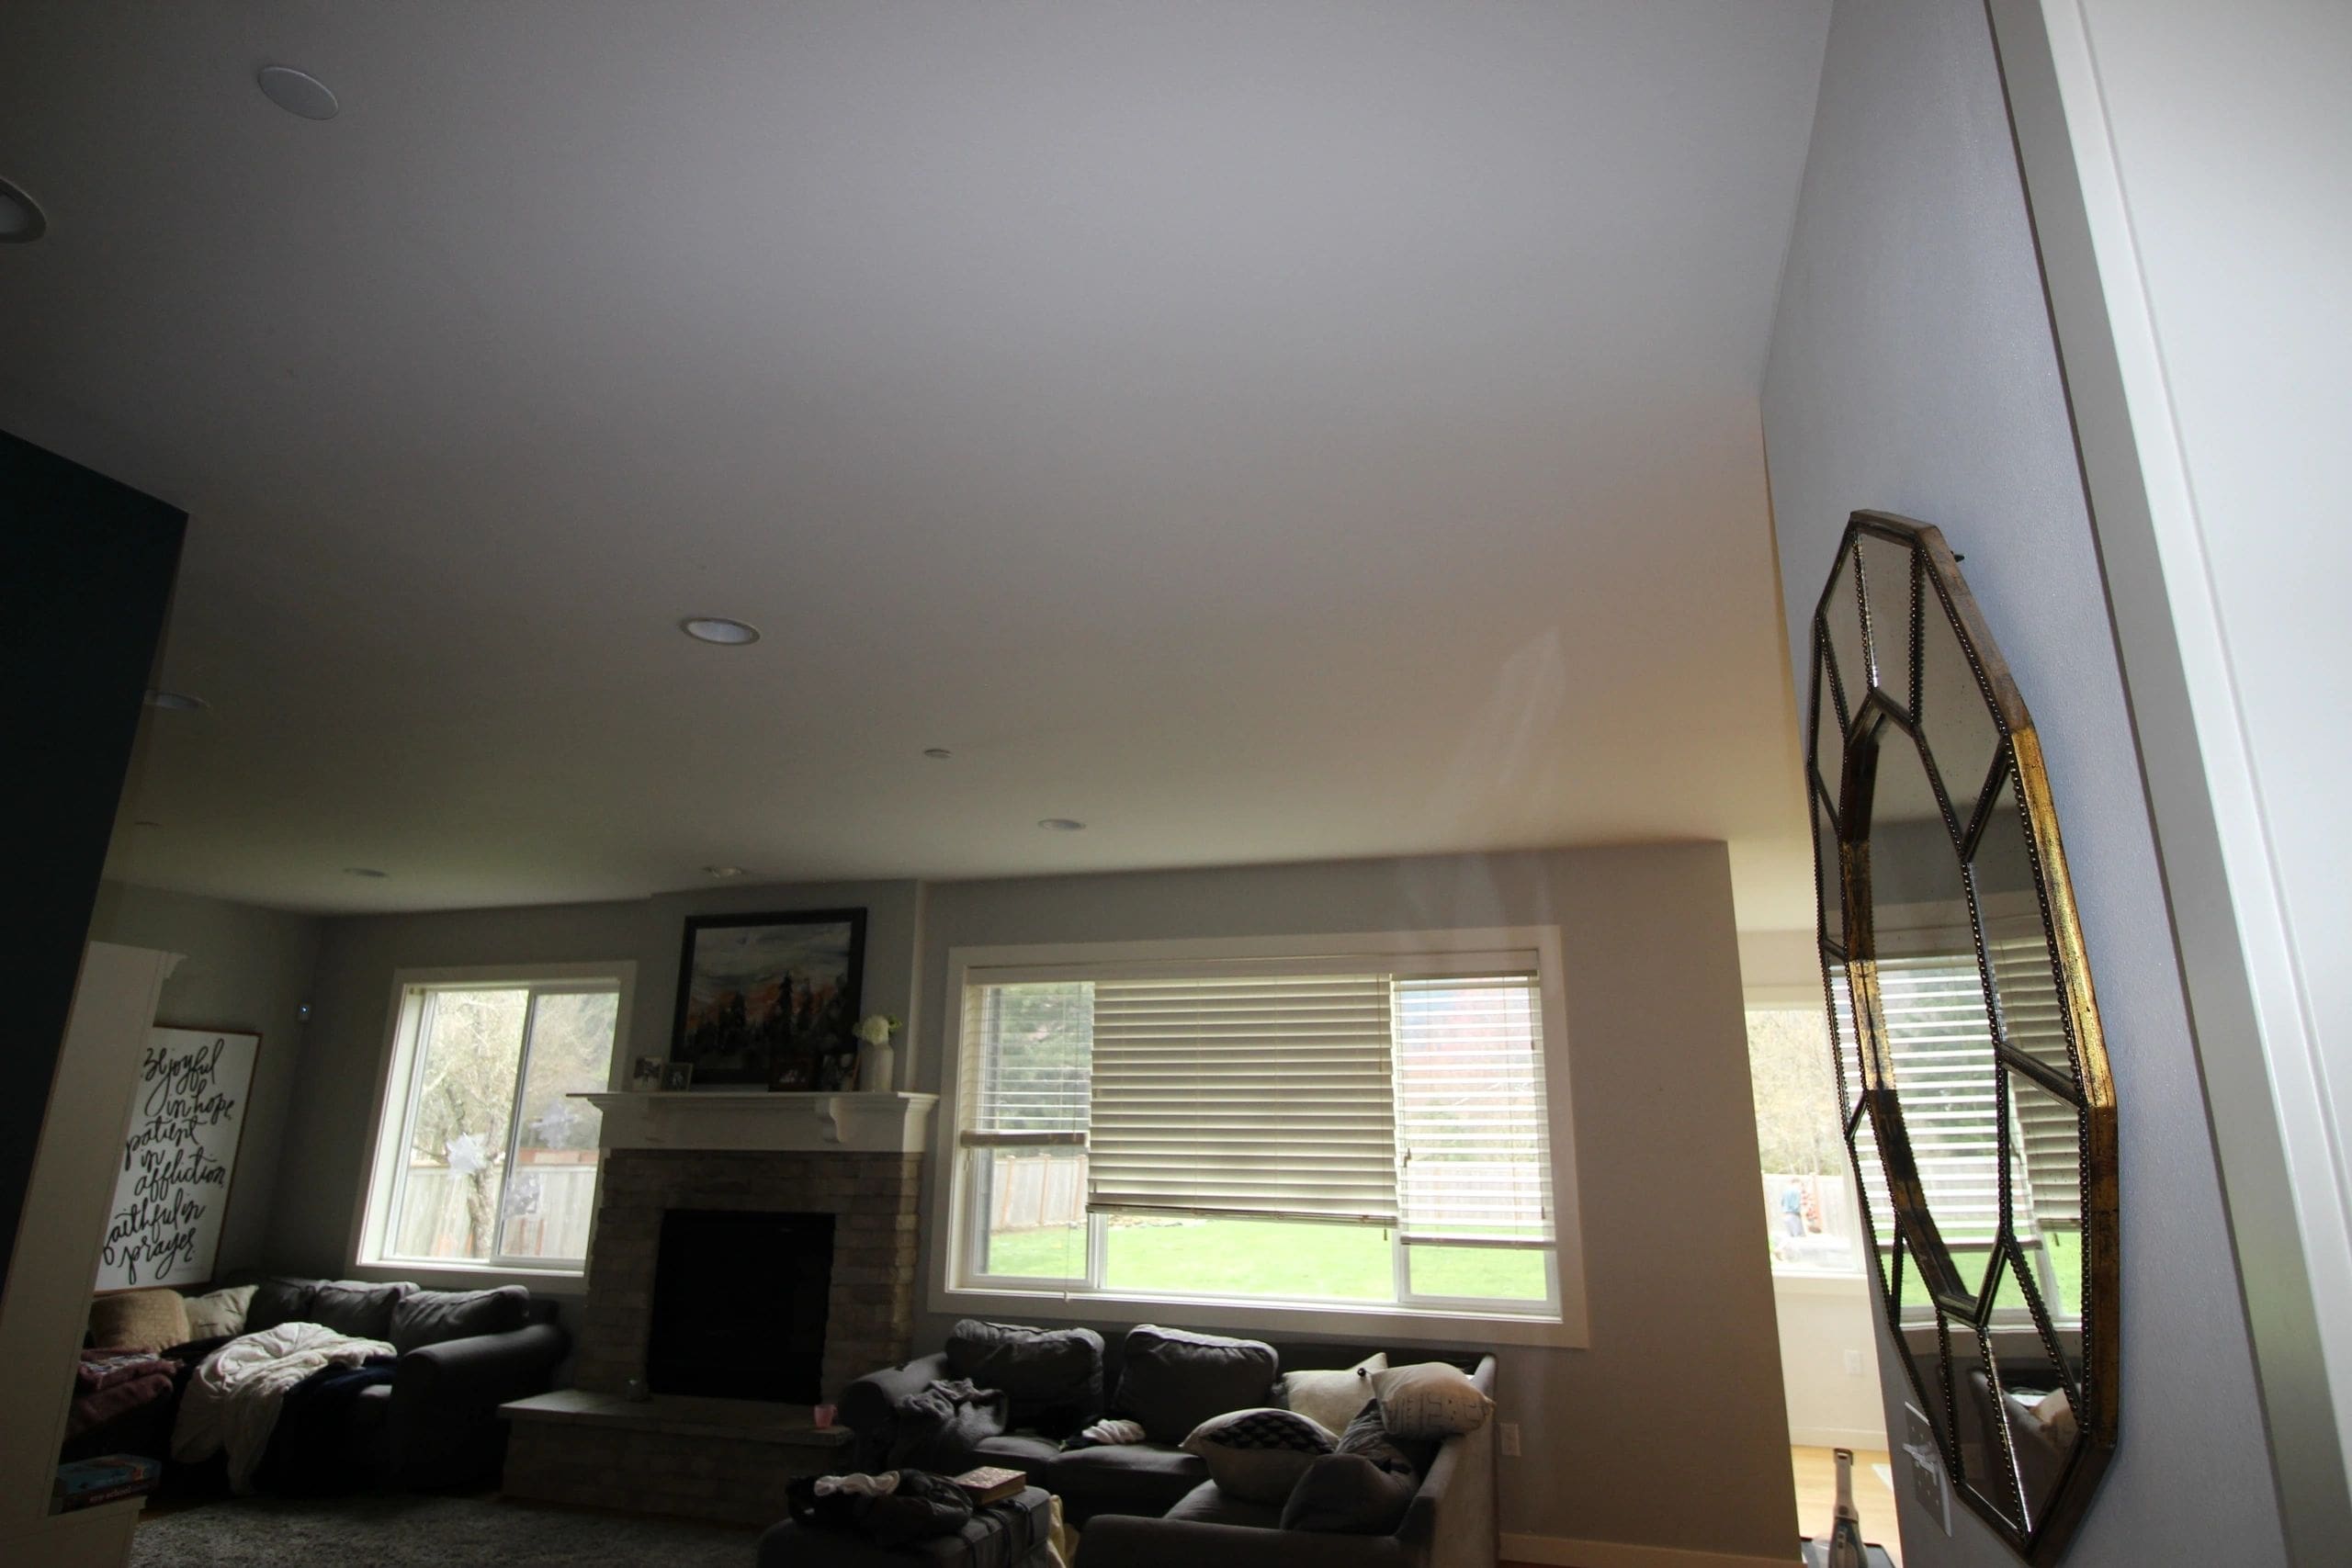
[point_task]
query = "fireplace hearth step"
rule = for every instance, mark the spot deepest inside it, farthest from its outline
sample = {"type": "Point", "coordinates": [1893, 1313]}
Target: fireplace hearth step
{"type": "Point", "coordinates": [709, 1459]}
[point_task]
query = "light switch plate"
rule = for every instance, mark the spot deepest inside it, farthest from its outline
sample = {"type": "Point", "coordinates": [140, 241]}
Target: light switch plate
{"type": "Point", "coordinates": [1853, 1363]}
{"type": "Point", "coordinates": [1931, 1487]}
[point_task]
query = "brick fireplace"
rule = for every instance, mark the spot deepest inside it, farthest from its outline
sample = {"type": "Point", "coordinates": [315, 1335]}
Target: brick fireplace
{"type": "Point", "coordinates": [856, 1158]}
{"type": "Point", "coordinates": [872, 1197]}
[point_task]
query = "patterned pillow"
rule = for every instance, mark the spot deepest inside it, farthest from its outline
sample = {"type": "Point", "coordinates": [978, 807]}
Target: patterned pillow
{"type": "Point", "coordinates": [1259, 1455]}
{"type": "Point", "coordinates": [1429, 1399]}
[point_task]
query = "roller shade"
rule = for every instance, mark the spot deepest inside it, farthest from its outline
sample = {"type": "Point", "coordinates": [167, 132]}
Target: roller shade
{"type": "Point", "coordinates": [1265, 1096]}
{"type": "Point", "coordinates": [1470, 1110]}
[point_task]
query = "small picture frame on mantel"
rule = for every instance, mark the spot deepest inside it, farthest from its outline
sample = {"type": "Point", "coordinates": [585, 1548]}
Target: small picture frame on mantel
{"type": "Point", "coordinates": [677, 1077]}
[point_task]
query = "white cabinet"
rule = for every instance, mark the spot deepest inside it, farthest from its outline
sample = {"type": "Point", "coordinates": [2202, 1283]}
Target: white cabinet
{"type": "Point", "coordinates": [46, 1303]}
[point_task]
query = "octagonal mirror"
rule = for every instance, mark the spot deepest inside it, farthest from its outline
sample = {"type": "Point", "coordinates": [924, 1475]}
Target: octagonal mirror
{"type": "Point", "coordinates": [1979, 1113]}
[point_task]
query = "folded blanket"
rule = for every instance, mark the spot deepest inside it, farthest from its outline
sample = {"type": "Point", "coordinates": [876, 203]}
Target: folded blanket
{"type": "Point", "coordinates": [104, 1369]}
{"type": "Point", "coordinates": [232, 1400]}
{"type": "Point", "coordinates": [91, 1411]}
{"type": "Point", "coordinates": [1109, 1432]}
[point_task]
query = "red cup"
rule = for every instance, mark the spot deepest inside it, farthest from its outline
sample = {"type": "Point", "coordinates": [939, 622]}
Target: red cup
{"type": "Point", "coordinates": [824, 1415]}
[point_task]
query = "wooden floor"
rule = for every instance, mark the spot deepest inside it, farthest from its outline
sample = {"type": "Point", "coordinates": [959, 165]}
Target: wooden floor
{"type": "Point", "coordinates": [1814, 1471]}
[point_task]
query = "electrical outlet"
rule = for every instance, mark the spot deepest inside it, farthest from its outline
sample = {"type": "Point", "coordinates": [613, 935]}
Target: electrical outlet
{"type": "Point", "coordinates": [1853, 1363]}
{"type": "Point", "coordinates": [1510, 1440]}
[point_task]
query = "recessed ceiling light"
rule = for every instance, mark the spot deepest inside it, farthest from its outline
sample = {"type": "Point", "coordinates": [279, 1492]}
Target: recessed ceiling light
{"type": "Point", "coordinates": [719, 629]}
{"type": "Point", "coordinates": [1061, 824]}
{"type": "Point", "coordinates": [298, 92]}
{"type": "Point", "coordinates": [175, 701]}
{"type": "Point", "coordinates": [20, 218]}
{"type": "Point", "coordinates": [937, 753]}
{"type": "Point", "coordinates": [366, 870]}
{"type": "Point", "coordinates": [724, 870]}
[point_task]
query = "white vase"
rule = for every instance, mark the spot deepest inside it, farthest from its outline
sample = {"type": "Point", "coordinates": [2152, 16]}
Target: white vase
{"type": "Point", "coordinates": [875, 1065]}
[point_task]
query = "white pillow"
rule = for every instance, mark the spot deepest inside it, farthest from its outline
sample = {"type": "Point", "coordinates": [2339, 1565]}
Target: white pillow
{"type": "Point", "coordinates": [1333, 1399]}
{"type": "Point", "coordinates": [1429, 1399]}
{"type": "Point", "coordinates": [1259, 1455]}
{"type": "Point", "coordinates": [215, 1313]}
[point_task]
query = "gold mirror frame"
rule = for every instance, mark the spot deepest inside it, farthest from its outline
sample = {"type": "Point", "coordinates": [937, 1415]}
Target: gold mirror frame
{"type": "Point", "coordinates": [1933, 823]}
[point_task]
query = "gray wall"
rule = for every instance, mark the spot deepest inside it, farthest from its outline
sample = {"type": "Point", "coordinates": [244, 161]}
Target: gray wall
{"type": "Point", "coordinates": [1912, 369]}
{"type": "Point", "coordinates": [241, 968]}
{"type": "Point", "coordinates": [341, 1081]}
{"type": "Point", "coordinates": [1683, 1359]}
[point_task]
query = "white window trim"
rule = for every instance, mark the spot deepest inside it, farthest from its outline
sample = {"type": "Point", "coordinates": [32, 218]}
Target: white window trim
{"type": "Point", "coordinates": [1437, 1322]}
{"type": "Point", "coordinates": [396, 1064]}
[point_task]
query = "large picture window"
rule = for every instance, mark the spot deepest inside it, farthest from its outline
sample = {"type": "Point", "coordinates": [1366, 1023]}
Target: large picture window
{"type": "Point", "coordinates": [1372, 1134]}
{"type": "Point", "coordinates": [484, 1160]}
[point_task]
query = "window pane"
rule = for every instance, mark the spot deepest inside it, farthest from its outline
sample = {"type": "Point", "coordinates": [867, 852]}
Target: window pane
{"type": "Point", "coordinates": [449, 1191]}
{"type": "Point", "coordinates": [551, 1193]}
{"type": "Point", "coordinates": [1471, 1118]}
{"type": "Point", "coordinates": [1035, 1050]}
{"type": "Point", "coordinates": [1809, 1210]}
{"type": "Point", "coordinates": [1035, 1204]}
{"type": "Point", "coordinates": [1479, 1273]}
{"type": "Point", "coordinates": [1248, 1257]}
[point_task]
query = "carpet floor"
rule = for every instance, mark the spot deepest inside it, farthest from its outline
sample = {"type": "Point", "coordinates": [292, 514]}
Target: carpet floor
{"type": "Point", "coordinates": [426, 1532]}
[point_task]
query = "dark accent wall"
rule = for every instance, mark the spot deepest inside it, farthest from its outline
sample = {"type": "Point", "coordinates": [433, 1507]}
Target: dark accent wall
{"type": "Point", "coordinates": [86, 576]}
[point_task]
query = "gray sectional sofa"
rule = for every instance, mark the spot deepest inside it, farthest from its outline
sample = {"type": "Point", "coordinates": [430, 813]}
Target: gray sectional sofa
{"type": "Point", "coordinates": [1152, 1504]}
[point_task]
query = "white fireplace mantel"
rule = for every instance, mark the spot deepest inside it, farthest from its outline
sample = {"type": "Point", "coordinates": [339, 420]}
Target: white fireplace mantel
{"type": "Point", "coordinates": [793, 1122]}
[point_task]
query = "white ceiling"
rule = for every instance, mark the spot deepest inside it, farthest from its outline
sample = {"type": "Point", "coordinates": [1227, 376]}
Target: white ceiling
{"type": "Point", "coordinates": [1262, 430]}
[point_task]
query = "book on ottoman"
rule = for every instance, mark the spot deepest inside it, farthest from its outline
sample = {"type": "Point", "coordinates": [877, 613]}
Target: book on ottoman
{"type": "Point", "coordinates": [992, 1483]}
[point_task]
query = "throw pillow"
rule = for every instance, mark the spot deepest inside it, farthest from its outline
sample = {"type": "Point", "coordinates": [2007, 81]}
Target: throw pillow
{"type": "Point", "coordinates": [429, 1318]}
{"type": "Point", "coordinates": [1052, 1377]}
{"type": "Point", "coordinates": [276, 1301]}
{"type": "Point", "coordinates": [1171, 1381]}
{"type": "Point", "coordinates": [1348, 1495]}
{"type": "Point", "coordinates": [1333, 1398]}
{"type": "Point", "coordinates": [355, 1307]}
{"type": "Point", "coordinates": [1259, 1455]}
{"type": "Point", "coordinates": [218, 1312]}
{"type": "Point", "coordinates": [138, 1320]}
{"type": "Point", "coordinates": [1429, 1399]}
{"type": "Point", "coordinates": [1368, 1437]}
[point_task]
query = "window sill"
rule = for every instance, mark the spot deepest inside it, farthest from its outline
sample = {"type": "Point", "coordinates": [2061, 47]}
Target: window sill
{"type": "Point", "coordinates": [1820, 1282]}
{"type": "Point", "coordinates": [444, 1274]}
{"type": "Point", "coordinates": [1355, 1323]}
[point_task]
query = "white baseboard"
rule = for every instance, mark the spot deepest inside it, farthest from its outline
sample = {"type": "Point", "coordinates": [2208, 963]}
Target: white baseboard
{"type": "Point", "coordinates": [1558, 1552]}
{"type": "Point", "coordinates": [1838, 1436]}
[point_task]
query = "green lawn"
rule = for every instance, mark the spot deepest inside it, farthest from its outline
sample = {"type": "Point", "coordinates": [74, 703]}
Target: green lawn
{"type": "Point", "coordinates": [1266, 1257]}
{"type": "Point", "coordinates": [2066, 1250]}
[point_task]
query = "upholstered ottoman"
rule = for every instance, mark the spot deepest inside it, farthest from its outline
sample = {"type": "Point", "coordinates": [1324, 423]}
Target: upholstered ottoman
{"type": "Point", "coordinates": [1015, 1533]}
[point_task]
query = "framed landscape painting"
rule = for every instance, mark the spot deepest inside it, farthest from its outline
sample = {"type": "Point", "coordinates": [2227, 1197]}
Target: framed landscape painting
{"type": "Point", "coordinates": [768, 1001]}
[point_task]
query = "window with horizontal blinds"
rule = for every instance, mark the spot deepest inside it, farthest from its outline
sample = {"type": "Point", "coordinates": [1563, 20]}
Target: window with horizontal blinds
{"type": "Point", "coordinates": [1267, 1096]}
{"type": "Point", "coordinates": [1471, 1117]}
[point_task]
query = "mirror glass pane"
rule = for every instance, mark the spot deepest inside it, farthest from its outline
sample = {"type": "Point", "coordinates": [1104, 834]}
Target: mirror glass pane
{"type": "Point", "coordinates": [1932, 1019]}
{"type": "Point", "coordinates": [2016, 945]}
{"type": "Point", "coordinates": [1828, 754]}
{"type": "Point", "coordinates": [1841, 616]}
{"type": "Point", "coordinates": [2046, 1195]}
{"type": "Point", "coordinates": [2038, 1406]}
{"type": "Point", "coordinates": [1954, 718]}
{"type": "Point", "coordinates": [1842, 1040]}
{"type": "Point", "coordinates": [1878, 1214]}
{"type": "Point", "coordinates": [1828, 883]}
{"type": "Point", "coordinates": [1886, 580]}
{"type": "Point", "coordinates": [1985, 1463]}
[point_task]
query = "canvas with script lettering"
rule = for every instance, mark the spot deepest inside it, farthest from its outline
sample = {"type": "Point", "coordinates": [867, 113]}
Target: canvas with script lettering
{"type": "Point", "coordinates": [178, 1157]}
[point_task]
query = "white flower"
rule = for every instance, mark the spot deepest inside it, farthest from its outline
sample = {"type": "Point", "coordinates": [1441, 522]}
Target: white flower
{"type": "Point", "coordinates": [876, 1028]}
{"type": "Point", "coordinates": [466, 1154]}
